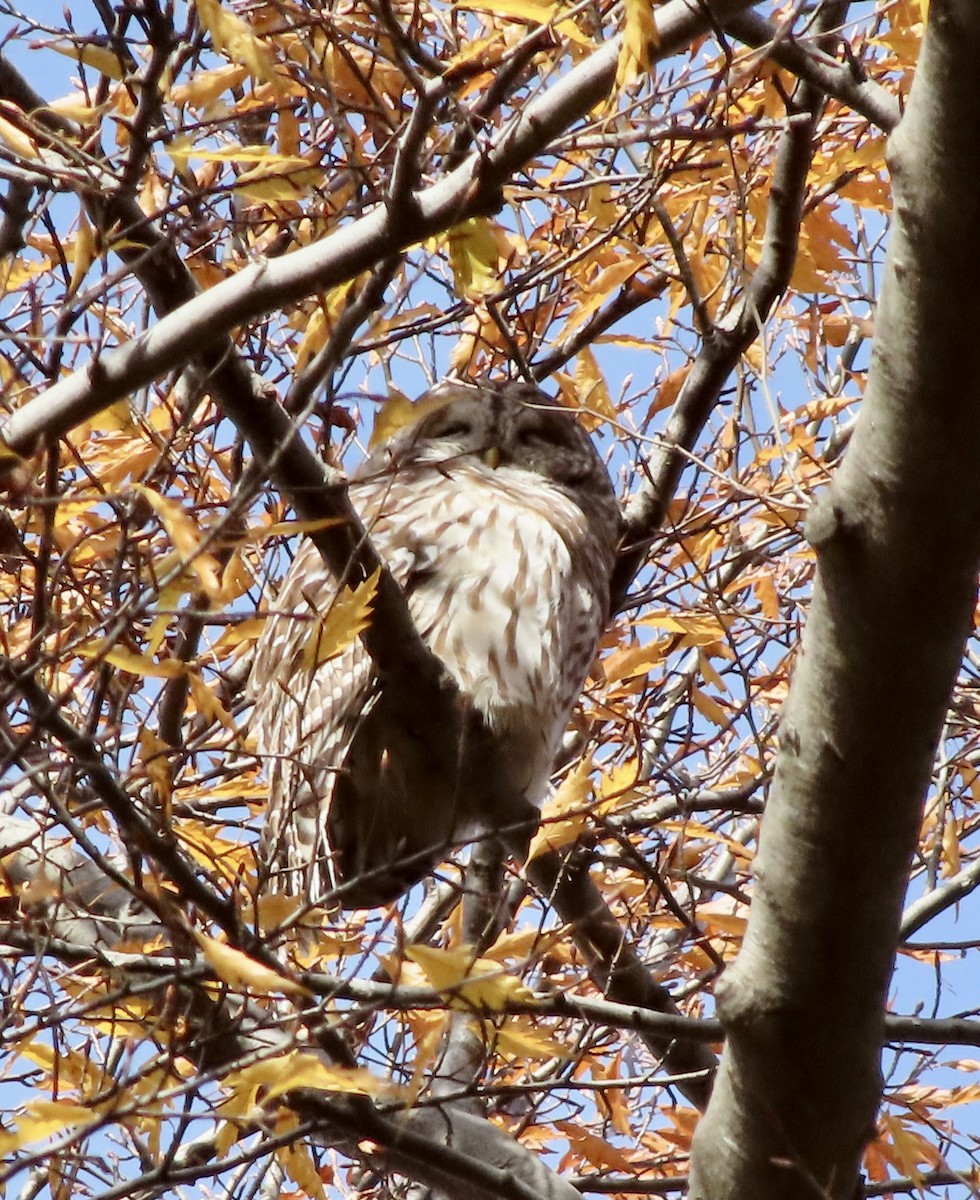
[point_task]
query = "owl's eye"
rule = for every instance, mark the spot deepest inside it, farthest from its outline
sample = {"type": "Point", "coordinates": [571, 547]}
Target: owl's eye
{"type": "Point", "coordinates": [455, 432]}
{"type": "Point", "coordinates": [533, 436]}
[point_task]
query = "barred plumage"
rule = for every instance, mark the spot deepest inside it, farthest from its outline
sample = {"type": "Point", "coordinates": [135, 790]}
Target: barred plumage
{"type": "Point", "coordinates": [498, 519]}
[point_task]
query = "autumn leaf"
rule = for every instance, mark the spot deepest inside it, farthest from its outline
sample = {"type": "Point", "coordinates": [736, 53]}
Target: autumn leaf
{"type": "Point", "coordinates": [474, 257]}
{"type": "Point", "coordinates": [235, 38]}
{"type": "Point", "coordinates": [242, 973]}
{"type": "Point", "coordinates": [518, 1037]}
{"type": "Point", "coordinates": [155, 756]}
{"type": "Point", "coordinates": [640, 39]}
{"type": "Point", "coordinates": [345, 619]}
{"type": "Point", "coordinates": [135, 664]}
{"type": "Point", "coordinates": [185, 536]}
{"type": "Point", "coordinates": [279, 177]}
{"type": "Point", "coordinates": [398, 412]}
{"type": "Point", "coordinates": [565, 817]}
{"type": "Point", "coordinates": [477, 983]}
{"type": "Point", "coordinates": [43, 1119]}
{"type": "Point", "coordinates": [593, 1149]}
{"type": "Point", "coordinates": [265, 1081]}
{"type": "Point", "coordinates": [296, 1158]}
{"type": "Point", "coordinates": [99, 58]}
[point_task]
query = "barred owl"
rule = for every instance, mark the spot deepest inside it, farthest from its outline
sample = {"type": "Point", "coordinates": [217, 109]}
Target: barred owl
{"type": "Point", "coordinates": [498, 519]}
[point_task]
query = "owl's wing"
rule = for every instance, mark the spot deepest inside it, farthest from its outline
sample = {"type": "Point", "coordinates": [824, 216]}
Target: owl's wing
{"type": "Point", "coordinates": [305, 719]}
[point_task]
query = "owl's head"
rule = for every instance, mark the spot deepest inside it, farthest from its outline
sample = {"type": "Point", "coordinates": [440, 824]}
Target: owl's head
{"type": "Point", "coordinates": [508, 425]}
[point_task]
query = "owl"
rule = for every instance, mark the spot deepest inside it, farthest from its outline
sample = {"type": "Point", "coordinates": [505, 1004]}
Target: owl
{"type": "Point", "coordinates": [497, 517]}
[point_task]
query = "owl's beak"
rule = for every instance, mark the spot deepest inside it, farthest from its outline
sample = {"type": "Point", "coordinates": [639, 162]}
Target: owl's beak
{"type": "Point", "coordinates": [491, 457]}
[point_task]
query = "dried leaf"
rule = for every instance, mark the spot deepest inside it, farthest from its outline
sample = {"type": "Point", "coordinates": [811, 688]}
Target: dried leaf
{"type": "Point", "coordinates": [345, 619]}
{"type": "Point", "coordinates": [474, 257]}
{"type": "Point", "coordinates": [243, 973]}
{"type": "Point", "coordinates": [185, 536]}
{"type": "Point", "coordinates": [44, 1119]}
{"type": "Point", "coordinates": [236, 39]}
{"type": "Point", "coordinates": [640, 40]}
{"type": "Point", "coordinates": [135, 664]}
{"type": "Point", "coordinates": [479, 983]}
{"type": "Point", "coordinates": [520, 1038]}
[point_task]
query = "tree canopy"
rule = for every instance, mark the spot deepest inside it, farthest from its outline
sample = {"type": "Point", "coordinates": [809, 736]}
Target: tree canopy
{"type": "Point", "coordinates": [237, 240]}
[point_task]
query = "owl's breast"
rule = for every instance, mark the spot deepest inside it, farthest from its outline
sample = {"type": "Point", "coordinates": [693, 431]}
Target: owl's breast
{"type": "Point", "coordinates": [509, 590]}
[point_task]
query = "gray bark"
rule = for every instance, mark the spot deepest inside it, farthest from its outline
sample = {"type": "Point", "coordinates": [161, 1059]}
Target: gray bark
{"type": "Point", "coordinates": [898, 542]}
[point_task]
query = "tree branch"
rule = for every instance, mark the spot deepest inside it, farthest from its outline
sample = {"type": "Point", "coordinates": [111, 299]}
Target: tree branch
{"type": "Point", "coordinates": [804, 1003]}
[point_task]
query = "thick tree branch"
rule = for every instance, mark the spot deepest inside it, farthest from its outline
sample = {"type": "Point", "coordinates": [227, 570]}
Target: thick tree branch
{"type": "Point", "coordinates": [845, 82]}
{"type": "Point", "coordinates": [804, 1003]}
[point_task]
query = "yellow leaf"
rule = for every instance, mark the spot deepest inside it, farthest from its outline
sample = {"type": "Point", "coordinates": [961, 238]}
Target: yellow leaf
{"type": "Point", "coordinates": [42, 1119]}
{"type": "Point", "coordinates": [640, 39]}
{"type": "Point", "coordinates": [206, 86]}
{"type": "Point", "coordinates": [155, 755]}
{"type": "Point", "coordinates": [599, 289]}
{"type": "Point", "coordinates": [279, 178]}
{"type": "Point", "coordinates": [634, 660]}
{"type": "Point", "coordinates": [298, 1069]}
{"type": "Point", "coordinates": [709, 708]}
{"type": "Point", "coordinates": [296, 1158]}
{"type": "Point", "coordinates": [518, 1036]}
{"type": "Point", "coordinates": [232, 860]}
{"type": "Point", "coordinates": [398, 412]}
{"type": "Point", "coordinates": [426, 1047]}
{"type": "Point", "coordinates": [185, 534]}
{"type": "Point", "coordinates": [345, 619]}
{"type": "Point", "coordinates": [135, 664]}
{"type": "Point", "coordinates": [235, 578]}
{"type": "Point", "coordinates": [289, 528]}
{"type": "Point", "coordinates": [181, 150]}
{"type": "Point", "coordinates": [474, 257]}
{"type": "Point", "coordinates": [594, 1149]}
{"type": "Point", "coordinates": [951, 848]}
{"type": "Point", "coordinates": [566, 815]}
{"type": "Point", "coordinates": [168, 599]}
{"type": "Point", "coordinates": [534, 12]}
{"type": "Point", "coordinates": [25, 147]}
{"type": "Point", "coordinates": [85, 252]}
{"type": "Point", "coordinates": [620, 780]}
{"type": "Point", "coordinates": [208, 704]}
{"type": "Point", "coordinates": [234, 38]}
{"type": "Point", "coordinates": [690, 829]}
{"type": "Point", "coordinates": [591, 386]}
{"type": "Point", "coordinates": [478, 983]}
{"type": "Point", "coordinates": [242, 634]}
{"type": "Point", "coordinates": [537, 12]}
{"type": "Point", "coordinates": [694, 629]}
{"type": "Point", "coordinates": [708, 672]}
{"type": "Point", "coordinates": [99, 58]}
{"type": "Point", "coordinates": [243, 973]}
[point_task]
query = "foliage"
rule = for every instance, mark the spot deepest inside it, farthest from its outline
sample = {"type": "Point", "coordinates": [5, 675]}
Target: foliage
{"type": "Point", "coordinates": [135, 551]}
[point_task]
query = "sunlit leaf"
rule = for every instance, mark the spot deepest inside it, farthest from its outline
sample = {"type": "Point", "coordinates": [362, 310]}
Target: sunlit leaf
{"type": "Point", "coordinates": [520, 1038]}
{"type": "Point", "coordinates": [185, 534]}
{"type": "Point", "coordinates": [44, 1119]}
{"type": "Point", "coordinates": [243, 973]}
{"type": "Point", "coordinates": [565, 816]}
{"type": "Point", "coordinates": [477, 982]}
{"type": "Point", "coordinates": [640, 40]}
{"type": "Point", "coordinates": [99, 58]}
{"type": "Point", "coordinates": [474, 257]}
{"type": "Point", "coordinates": [265, 1081]}
{"type": "Point", "coordinates": [135, 664]}
{"type": "Point", "coordinates": [346, 618]}
{"type": "Point", "coordinates": [235, 38]}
